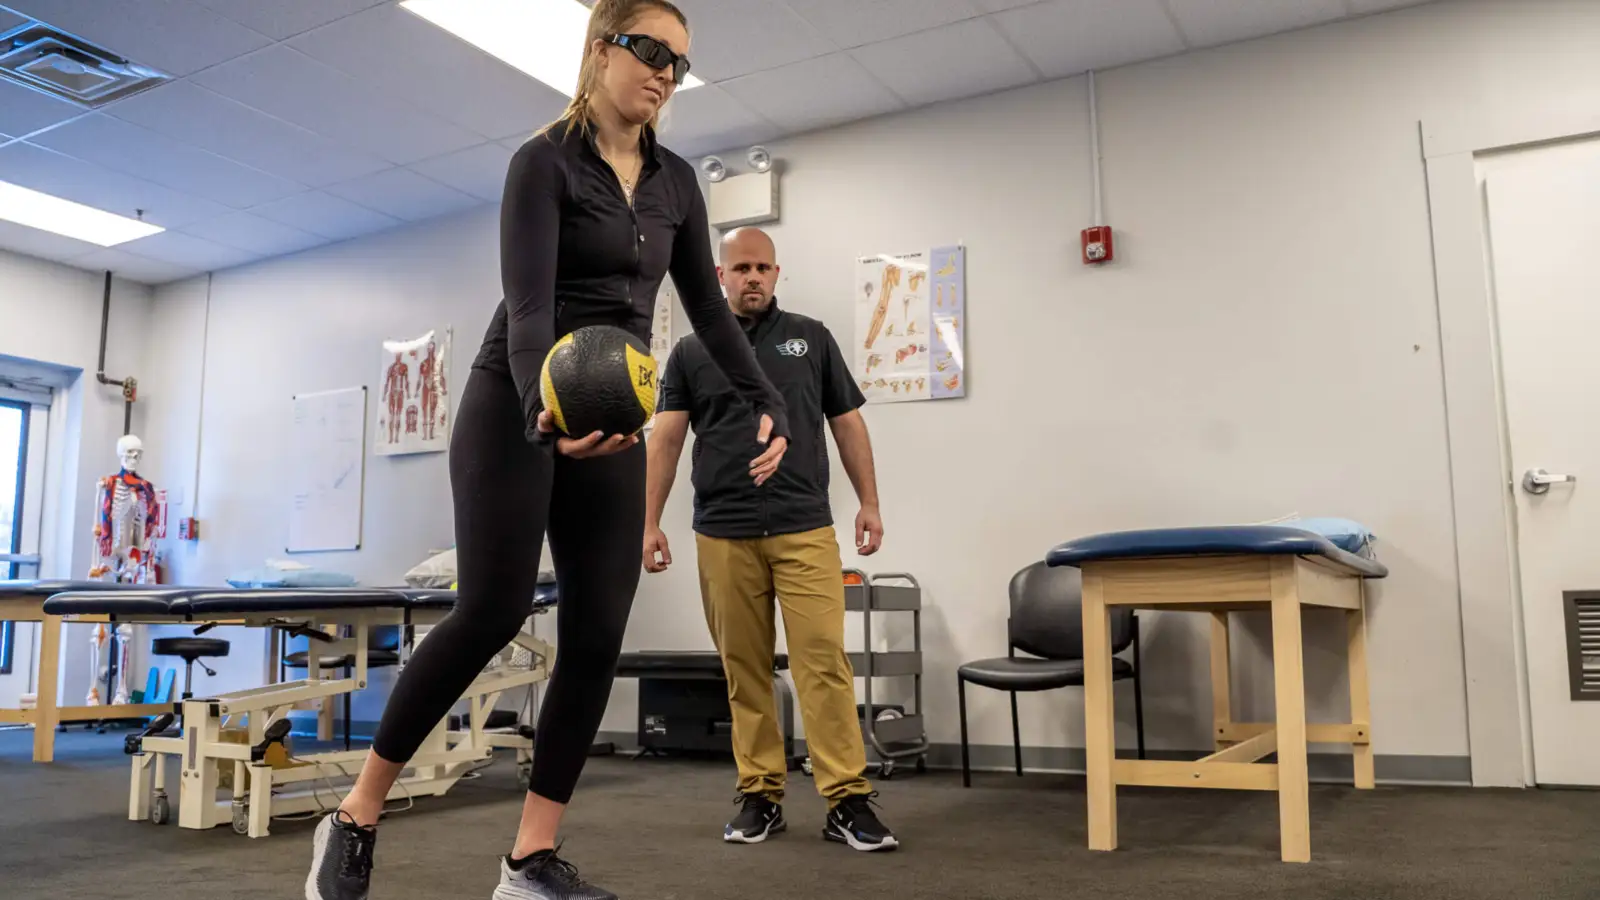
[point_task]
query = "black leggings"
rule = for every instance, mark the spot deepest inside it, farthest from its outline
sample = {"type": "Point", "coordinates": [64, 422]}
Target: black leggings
{"type": "Point", "coordinates": [507, 492]}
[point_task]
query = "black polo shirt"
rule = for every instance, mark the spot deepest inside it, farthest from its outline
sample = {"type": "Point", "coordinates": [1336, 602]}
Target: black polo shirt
{"type": "Point", "coordinates": [801, 358]}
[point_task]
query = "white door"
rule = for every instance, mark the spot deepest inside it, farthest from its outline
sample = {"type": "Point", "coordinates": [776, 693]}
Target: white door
{"type": "Point", "coordinates": [1544, 224]}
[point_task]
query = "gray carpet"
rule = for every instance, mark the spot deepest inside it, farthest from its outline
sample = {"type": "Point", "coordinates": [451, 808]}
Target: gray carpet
{"type": "Point", "coordinates": [650, 831]}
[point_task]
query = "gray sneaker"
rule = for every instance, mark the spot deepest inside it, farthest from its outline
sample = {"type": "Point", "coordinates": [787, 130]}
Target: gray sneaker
{"type": "Point", "coordinates": [546, 876]}
{"type": "Point", "coordinates": [341, 859]}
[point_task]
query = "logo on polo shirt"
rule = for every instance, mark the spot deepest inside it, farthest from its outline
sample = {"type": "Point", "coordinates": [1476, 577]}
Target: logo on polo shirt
{"type": "Point", "coordinates": [795, 347]}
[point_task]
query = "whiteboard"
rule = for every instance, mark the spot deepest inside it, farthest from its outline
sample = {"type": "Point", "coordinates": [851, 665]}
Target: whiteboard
{"type": "Point", "coordinates": [327, 469]}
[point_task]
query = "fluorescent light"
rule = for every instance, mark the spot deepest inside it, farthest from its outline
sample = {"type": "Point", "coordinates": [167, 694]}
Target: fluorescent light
{"type": "Point", "coordinates": [543, 38]}
{"type": "Point", "coordinates": [74, 220]}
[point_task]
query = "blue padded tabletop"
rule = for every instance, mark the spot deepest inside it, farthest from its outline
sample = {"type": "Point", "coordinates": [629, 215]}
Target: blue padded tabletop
{"type": "Point", "coordinates": [119, 600]}
{"type": "Point", "coordinates": [269, 600]}
{"type": "Point", "coordinates": [1218, 540]}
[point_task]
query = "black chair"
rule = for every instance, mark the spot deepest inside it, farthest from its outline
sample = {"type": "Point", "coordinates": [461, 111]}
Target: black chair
{"type": "Point", "coordinates": [1046, 622]}
{"type": "Point", "coordinates": [191, 650]}
{"type": "Point", "coordinates": [383, 650]}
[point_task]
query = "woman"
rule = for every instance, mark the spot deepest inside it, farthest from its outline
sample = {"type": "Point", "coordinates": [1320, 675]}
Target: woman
{"type": "Point", "coordinates": [595, 214]}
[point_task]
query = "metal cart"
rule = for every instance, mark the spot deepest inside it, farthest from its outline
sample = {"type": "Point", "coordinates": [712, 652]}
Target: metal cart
{"type": "Point", "coordinates": [893, 732]}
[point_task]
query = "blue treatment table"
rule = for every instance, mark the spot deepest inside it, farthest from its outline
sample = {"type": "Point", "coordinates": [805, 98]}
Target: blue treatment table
{"type": "Point", "coordinates": [260, 791]}
{"type": "Point", "coordinates": [23, 601]}
{"type": "Point", "coordinates": [1219, 570]}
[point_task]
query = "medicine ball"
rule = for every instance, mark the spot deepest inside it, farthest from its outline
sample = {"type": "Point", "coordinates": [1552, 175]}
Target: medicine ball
{"type": "Point", "coordinates": [599, 378]}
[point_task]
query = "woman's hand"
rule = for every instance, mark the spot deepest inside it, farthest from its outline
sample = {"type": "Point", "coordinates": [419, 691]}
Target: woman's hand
{"type": "Point", "coordinates": [763, 466]}
{"type": "Point", "coordinates": [596, 444]}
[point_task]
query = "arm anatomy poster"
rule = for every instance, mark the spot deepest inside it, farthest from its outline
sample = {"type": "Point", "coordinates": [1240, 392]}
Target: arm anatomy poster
{"type": "Point", "coordinates": [661, 334]}
{"type": "Point", "coordinates": [910, 312]}
{"type": "Point", "coordinates": [414, 402]}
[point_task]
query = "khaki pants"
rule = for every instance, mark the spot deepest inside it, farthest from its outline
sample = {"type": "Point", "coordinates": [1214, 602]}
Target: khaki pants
{"type": "Point", "coordinates": [738, 581]}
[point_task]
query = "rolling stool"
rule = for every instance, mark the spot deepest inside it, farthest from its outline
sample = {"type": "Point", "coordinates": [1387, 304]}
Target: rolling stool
{"type": "Point", "coordinates": [383, 650]}
{"type": "Point", "coordinates": [191, 650]}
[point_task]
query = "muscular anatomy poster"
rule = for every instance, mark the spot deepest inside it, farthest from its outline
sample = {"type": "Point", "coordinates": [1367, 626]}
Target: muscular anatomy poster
{"type": "Point", "coordinates": [661, 332]}
{"type": "Point", "coordinates": [910, 316]}
{"type": "Point", "coordinates": [414, 398]}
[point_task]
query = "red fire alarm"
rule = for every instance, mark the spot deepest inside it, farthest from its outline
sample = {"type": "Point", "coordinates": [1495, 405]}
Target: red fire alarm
{"type": "Point", "coordinates": [188, 529]}
{"type": "Point", "coordinates": [1097, 246]}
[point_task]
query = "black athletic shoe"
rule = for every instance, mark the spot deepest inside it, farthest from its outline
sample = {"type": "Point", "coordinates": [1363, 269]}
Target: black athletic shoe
{"type": "Point", "coordinates": [545, 876]}
{"type": "Point", "coordinates": [852, 821]}
{"type": "Point", "coordinates": [759, 819]}
{"type": "Point", "coordinates": [341, 859]}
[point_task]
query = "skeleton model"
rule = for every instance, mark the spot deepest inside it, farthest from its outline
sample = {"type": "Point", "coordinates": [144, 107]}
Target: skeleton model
{"type": "Point", "coordinates": [124, 550]}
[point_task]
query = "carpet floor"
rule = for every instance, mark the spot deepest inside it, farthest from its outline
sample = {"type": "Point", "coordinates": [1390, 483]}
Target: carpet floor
{"type": "Point", "coordinates": [650, 830]}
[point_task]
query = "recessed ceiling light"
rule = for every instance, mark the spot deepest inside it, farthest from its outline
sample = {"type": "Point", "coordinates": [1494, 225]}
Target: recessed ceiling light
{"type": "Point", "coordinates": [73, 220]}
{"type": "Point", "coordinates": [543, 38]}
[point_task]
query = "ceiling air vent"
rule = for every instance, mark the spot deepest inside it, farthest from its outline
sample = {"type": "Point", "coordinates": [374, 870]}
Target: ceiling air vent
{"type": "Point", "coordinates": [1583, 643]}
{"type": "Point", "coordinates": [40, 57]}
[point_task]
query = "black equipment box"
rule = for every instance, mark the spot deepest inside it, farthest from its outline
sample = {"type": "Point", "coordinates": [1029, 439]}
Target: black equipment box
{"type": "Point", "coordinates": [683, 702]}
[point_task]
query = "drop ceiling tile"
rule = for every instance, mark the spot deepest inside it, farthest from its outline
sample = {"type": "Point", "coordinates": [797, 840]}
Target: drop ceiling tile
{"type": "Point", "coordinates": [228, 128]}
{"type": "Point", "coordinates": [700, 115]}
{"type": "Point", "coordinates": [283, 19]}
{"type": "Point", "coordinates": [407, 56]}
{"type": "Point", "coordinates": [285, 83]}
{"type": "Point", "coordinates": [42, 244]}
{"type": "Point", "coordinates": [181, 249]}
{"type": "Point", "coordinates": [853, 23]}
{"type": "Point", "coordinates": [24, 110]}
{"type": "Point", "coordinates": [1207, 23]}
{"type": "Point", "coordinates": [1069, 37]}
{"type": "Point", "coordinates": [731, 38]}
{"type": "Point", "coordinates": [479, 171]}
{"type": "Point", "coordinates": [1371, 6]}
{"type": "Point", "coordinates": [1002, 5]}
{"type": "Point", "coordinates": [140, 152]}
{"type": "Point", "coordinates": [177, 36]}
{"type": "Point", "coordinates": [829, 90]}
{"type": "Point", "coordinates": [133, 267]}
{"type": "Point", "coordinates": [960, 60]}
{"type": "Point", "coordinates": [254, 234]}
{"type": "Point", "coordinates": [334, 218]}
{"type": "Point", "coordinates": [73, 179]}
{"type": "Point", "coordinates": [405, 195]}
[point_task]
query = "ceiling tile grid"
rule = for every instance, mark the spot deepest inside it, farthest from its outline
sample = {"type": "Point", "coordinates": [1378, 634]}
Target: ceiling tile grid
{"type": "Point", "coordinates": [294, 123]}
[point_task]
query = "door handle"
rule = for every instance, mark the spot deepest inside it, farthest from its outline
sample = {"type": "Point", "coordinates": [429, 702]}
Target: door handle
{"type": "Point", "coordinates": [1538, 481]}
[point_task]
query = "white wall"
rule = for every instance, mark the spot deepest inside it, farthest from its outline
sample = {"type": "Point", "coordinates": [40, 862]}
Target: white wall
{"type": "Point", "coordinates": [51, 314]}
{"type": "Point", "coordinates": [1266, 343]}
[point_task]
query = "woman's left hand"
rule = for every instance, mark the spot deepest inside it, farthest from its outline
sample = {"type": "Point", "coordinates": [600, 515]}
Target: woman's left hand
{"type": "Point", "coordinates": [763, 466]}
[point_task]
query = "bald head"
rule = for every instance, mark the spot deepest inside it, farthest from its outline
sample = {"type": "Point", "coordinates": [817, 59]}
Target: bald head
{"type": "Point", "coordinates": [749, 270]}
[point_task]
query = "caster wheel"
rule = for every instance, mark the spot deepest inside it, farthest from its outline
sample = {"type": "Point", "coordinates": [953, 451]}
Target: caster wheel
{"type": "Point", "coordinates": [241, 820]}
{"type": "Point", "coordinates": [887, 772]}
{"type": "Point", "coordinates": [806, 766]}
{"type": "Point", "coordinates": [524, 775]}
{"type": "Point", "coordinates": [160, 811]}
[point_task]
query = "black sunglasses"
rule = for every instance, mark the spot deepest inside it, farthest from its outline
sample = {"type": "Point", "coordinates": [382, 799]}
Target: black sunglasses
{"type": "Point", "coordinates": [654, 54]}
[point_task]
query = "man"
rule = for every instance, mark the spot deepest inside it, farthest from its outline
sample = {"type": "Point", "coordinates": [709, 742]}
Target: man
{"type": "Point", "coordinates": [757, 540]}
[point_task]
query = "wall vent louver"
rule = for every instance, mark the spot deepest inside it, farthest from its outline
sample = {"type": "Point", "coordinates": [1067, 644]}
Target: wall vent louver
{"type": "Point", "coordinates": [1582, 609]}
{"type": "Point", "coordinates": [42, 58]}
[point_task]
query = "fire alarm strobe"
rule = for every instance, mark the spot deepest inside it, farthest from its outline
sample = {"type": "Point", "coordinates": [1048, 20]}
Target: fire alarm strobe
{"type": "Point", "coordinates": [1097, 247]}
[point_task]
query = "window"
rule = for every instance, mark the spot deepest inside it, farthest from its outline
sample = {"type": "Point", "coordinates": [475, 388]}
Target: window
{"type": "Point", "coordinates": [14, 416]}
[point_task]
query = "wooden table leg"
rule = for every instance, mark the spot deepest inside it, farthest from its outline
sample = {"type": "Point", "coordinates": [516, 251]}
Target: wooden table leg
{"type": "Point", "coordinates": [1294, 788]}
{"type": "Point", "coordinates": [1099, 716]}
{"type": "Point", "coordinates": [49, 666]}
{"type": "Point", "coordinates": [1221, 683]}
{"type": "Point", "coordinates": [1360, 702]}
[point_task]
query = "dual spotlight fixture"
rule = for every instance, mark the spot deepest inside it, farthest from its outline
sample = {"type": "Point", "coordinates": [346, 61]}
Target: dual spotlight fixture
{"type": "Point", "coordinates": [757, 157]}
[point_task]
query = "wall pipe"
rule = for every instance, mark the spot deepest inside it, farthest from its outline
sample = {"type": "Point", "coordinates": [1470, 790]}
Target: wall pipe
{"type": "Point", "coordinates": [129, 385]}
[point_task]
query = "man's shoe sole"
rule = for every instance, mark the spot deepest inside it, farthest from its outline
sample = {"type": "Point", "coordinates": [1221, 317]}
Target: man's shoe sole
{"type": "Point", "coordinates": [888, 843]}
{"type": "Point", "coordinates": [734, 837]}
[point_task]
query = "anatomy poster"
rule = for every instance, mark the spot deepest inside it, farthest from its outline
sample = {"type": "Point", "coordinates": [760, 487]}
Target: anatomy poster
{"type": "Point", "coordinates": [910, 310]}
{"type": "Point", "coordinates": [414, 400]}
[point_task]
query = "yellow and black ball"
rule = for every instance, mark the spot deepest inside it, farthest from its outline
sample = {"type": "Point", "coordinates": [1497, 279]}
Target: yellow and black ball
{"type": "Point", "coordinates": [599, 378]}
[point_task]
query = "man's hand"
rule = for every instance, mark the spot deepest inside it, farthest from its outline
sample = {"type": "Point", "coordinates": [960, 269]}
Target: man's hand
{"type": "Point", "coordinates": [763, 466]}
{"type": "Point", "coordinates": [657, 555]}
{"type": "Point", "coordinates": [596, 444]}
{"type": "Point", "coordinates": [869, 531]}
